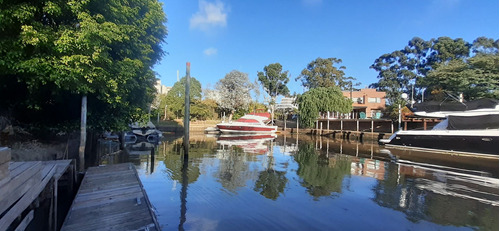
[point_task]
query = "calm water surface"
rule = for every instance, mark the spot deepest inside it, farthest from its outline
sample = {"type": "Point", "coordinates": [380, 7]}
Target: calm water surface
{"type": "Point", "coordinates": [309, 183]}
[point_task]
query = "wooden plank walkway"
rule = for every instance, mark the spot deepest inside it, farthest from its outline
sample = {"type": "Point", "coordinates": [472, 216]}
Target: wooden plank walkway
{"type": "Point", "coordinates": [21, 184]}
{"type": "Point", "coordinates": [111, 198]}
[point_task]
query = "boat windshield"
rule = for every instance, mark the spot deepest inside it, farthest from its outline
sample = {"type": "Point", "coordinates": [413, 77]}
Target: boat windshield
{"type": "Point", "coordinates": [245, 120]}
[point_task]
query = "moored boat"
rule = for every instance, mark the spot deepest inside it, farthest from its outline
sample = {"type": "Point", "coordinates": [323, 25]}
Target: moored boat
{"type": "Point", "coordinates": [462, 131]}
{"type": "Point", "coordinates": [249, 123]}
{"type": "Point", "coordinates": [139, 133]}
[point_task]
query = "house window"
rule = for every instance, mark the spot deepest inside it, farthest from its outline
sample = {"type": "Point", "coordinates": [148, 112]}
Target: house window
{"type": "Point", "coordinates": [357, 100]}
{"type": "Point", "coordinates": [373, 100]}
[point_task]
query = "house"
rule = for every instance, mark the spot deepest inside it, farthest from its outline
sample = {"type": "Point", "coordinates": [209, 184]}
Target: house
{"type": "Point", "coordinates": [161, 89]}
{"type": "Point", "coordinates": [366, 103]}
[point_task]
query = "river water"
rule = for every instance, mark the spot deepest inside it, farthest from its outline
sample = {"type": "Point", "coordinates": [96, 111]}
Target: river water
{"type": "Point", "coordinates": [312, 183]}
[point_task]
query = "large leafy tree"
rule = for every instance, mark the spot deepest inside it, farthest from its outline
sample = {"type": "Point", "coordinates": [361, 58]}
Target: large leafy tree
{"type": "Point", "coordinates": [475, 77]}
{"type": "Point", "coordinates": [175, 98]}
{"type": "Point", "coordinates": [321, 99]}
{"type": "Point", "coordinates": [233, 92]}
{"type": "Point", "coordinates": [323, 73]}
{"type": "Point", "coordinates": [399, 70]}
{"type": "Point", "coordinates": [274, 81]}
{"type": "Point", "coordinates": [52, 52]}
{"type": "Point", "coordinates": [437, 66]}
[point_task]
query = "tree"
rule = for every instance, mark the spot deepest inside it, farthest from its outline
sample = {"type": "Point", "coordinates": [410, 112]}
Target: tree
{"type": "Point", "coordinates": [475, 78]}
{"type": "Point", "coordinates": [175, 98]}
{"type": "Point", "coordinates": [438, 65]}
{"type": "Point", "coordinates": [323, 73]}
{"type": "Point", "coordinates": [321, 99]}
{"type": "Point", "coordinates": [274, 81]}
{"type": "Point", "coordinates": [52, 52]}
{"type": "Point", "coordinates": [233, 92]}
{"type": "Point", "coordinates": [400, 70]}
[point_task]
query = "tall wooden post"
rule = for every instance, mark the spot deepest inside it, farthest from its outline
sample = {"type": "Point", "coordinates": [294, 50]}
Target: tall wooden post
{"type": "Point", "coordinates": [297, 123]}
{"type": "Point", "coordinates": [83, 134]}
{"type": "Point", "coordinates": [372, 125]}
{"type": "Point", "coordinates": [187, 110]}
{"type": "Point", "coordinates": [284, 126]}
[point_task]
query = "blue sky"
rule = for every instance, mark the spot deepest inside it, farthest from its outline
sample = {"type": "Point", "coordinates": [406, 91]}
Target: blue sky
{"type": "Point", "coordinates": [218, 36]}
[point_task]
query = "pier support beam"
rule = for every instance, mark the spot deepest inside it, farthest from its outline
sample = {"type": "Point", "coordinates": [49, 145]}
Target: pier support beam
{"type": "Point", "coordinates": [83, 134]}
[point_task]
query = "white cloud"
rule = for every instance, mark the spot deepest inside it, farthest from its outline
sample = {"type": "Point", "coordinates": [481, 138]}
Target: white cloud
{"type": "Point", "coordinates": [209, 15]}
{"type": "Point", "coordinates": [210, 51]}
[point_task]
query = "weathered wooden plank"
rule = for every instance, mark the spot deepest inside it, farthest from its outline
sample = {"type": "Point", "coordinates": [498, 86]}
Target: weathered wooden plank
{"type": "Point", "coordinates": [30, 169]}
{"type": "Point", "coordinates": [4, 173]}
{"type": "Point", "coordinates": [107, 193]}
{"type": "Point", "coordinates": [26, 221]}
{"type": "Point", "coordinates": [61, 167]}
{"type": "Point", "coordinates": [8, 199]}
{"type": "Point", "coordinates": [108, 200]}
{"type": "Point", "coordinates": [118, 210]}
{"type": "Point", "coordinates": [5, 155]}
{"type": "Point", "coordinates": [27, 198]}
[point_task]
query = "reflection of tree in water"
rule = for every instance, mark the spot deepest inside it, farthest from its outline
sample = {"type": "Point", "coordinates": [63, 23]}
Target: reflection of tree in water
{"type": "Point", "coordinates": [318, 177]}
{"type": "Point", "coordinates": [171, 155]}
{"type": "Point", "coordinates": [419, 204]}
{"type": "Point", "coordinates": [234, 169]}
{"type": "Point", "coordinates": [173, 164]}
{"type": "Point", "coordinates": [270, 182]}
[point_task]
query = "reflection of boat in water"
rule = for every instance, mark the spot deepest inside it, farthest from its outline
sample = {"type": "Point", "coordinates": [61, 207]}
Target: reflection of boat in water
{"type": "Point", "coordinates": [462, 183]}
{"type": "Point", "coordinates": [250, 123]}
{"type": "Point", "coordinates": [249, 143]}
{"type": "Point", "coordinates": [142, 148]}
{"type": "Point", "coordinates": [463, 130]}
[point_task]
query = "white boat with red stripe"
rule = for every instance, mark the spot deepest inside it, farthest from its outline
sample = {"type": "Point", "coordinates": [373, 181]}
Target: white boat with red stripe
{"type": "Point", "coordinates": [249, 123]}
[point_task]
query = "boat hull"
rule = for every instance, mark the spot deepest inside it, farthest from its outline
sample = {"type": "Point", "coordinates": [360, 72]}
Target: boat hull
{"type": "Point", "coordinates": [246, 129]}
{"type": "Point", "coordinates": [485, 144]}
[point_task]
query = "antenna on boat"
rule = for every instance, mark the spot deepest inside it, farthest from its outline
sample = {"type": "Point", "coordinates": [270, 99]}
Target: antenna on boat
{"type": "Point", "coordinates": [459, 99]}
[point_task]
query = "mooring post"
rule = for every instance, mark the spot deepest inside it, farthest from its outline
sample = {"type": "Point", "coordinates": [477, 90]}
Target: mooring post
{"type": "Point", "coordinates": [317, 127]}
{"type": "Point", "coordinates": [186, 110]}
{"type": "Point", "coordinates": [83, 134]}
{"type": "Point", "coordinates": [372, 126]}
{"type": "Point", "coordinates": [297, 123]}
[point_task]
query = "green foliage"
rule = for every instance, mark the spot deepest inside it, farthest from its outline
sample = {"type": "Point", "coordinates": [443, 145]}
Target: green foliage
{"type": "Point", "coordinates": [321, 99]}
{"type": "Point", "coordinates": [438, 65]}
{"type": "Point", "coordinates": [175, 98]}
{"type": "Point", "coordinates": [318, 177]}
{"type": "Point", "coordinates": [322, 73]}
{"type": "Point", "coordinates": [274, 80]}
{"type": "Point", "coordinates": [476, 78]}
{"type": "Point", "coordinates": [103, 49]}
{"type": "Point", "coordinates": [271, 183]}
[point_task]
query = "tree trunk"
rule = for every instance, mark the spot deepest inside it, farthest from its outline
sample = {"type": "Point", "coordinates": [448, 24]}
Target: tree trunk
{"type": "Point", "coordinates": [273, 106]}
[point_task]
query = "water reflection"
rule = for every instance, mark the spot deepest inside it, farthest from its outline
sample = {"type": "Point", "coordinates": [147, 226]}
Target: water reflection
{"type": "Point", "coordinates": [321, 175]}
{"type": "Point", "coordinates": [315, 183]}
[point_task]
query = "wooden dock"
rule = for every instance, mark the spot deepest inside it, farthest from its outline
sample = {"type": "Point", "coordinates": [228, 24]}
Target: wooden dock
{"type": "Point", "coordinates": [24, 185]}
{"type": "Point", "coordinates": [111, 198]}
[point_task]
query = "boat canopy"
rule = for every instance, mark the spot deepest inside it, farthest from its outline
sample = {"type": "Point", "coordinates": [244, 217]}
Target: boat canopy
{"type": "Point", "coordinates": [456, 122]}
{"type": "Point", "coordinates": [435, 106]}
